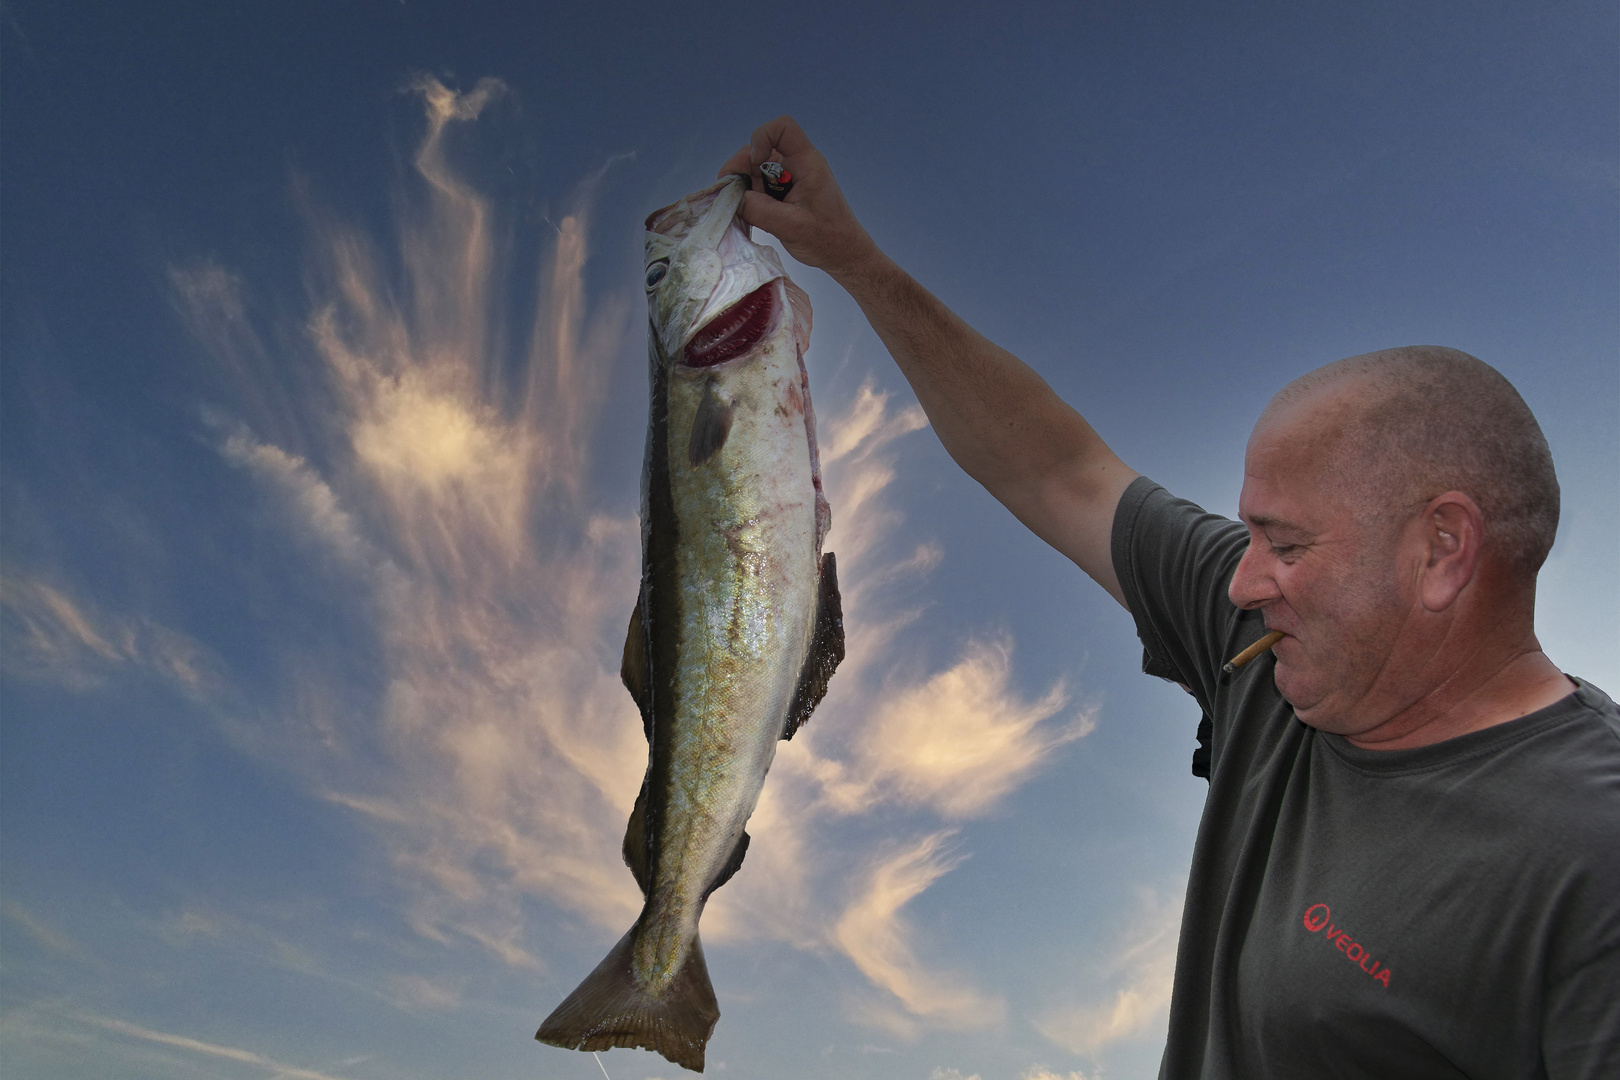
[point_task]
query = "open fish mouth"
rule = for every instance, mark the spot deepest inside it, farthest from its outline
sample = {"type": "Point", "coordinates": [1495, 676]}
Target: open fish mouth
{"type": "Point", "coordinates": [735, 331]}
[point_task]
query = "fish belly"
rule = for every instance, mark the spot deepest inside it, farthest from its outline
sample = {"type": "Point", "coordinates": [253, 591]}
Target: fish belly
{"type": "Point", "coordinates": [747, 573]}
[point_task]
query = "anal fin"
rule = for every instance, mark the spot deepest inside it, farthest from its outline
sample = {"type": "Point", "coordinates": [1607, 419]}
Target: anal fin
{"type": "Point", "coordinates": [826, 649]}
{"type": "Point", "coordinates": [733, 864]}
{"type": "Point", "coordinates": [637, 856]}
{"type": "Point", "coordinates": [633, 668]}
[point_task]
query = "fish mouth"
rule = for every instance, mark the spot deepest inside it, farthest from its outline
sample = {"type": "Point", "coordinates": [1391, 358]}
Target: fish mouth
{"type": "Point", "coordinates": [735, 331]}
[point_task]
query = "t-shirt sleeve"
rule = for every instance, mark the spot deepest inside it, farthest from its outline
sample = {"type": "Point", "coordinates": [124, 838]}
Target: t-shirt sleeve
{"type": "Point", "coordinates": [1174, 561]}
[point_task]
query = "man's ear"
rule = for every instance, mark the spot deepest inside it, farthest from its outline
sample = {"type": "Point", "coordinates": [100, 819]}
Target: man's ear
{"type": "Point", "coordinates": [1453, 530]}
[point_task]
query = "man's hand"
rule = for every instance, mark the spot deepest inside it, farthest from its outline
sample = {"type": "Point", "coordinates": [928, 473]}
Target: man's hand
{"type": "Point", "coordinates": [814, 222]}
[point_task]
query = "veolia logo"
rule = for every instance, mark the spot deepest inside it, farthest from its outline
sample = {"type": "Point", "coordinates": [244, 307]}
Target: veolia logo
{"type": "Point", "coordinates": [1319, 916]}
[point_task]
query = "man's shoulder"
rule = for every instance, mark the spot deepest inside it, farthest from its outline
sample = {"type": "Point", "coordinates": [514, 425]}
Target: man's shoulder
{"type": "Point", "coordinates": [1571, 765]}
{"type": "Point", "coordinates": [1174, 560]}
{"type": "Point", "coordinates": [1579, 733]}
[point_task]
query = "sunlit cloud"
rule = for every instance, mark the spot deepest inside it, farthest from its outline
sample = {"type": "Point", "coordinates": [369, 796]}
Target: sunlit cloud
{"type": "Point", "coordinates": [956, 743]}
{"type": "Point", "coordinates": [314, 504]}
{"type": "Point", "coordinates": [873, 935]}
{"type": "Point", "coordinates": [456, 493]}
{"type": "Point", "coordinates": [52, 637]}
{"type": "Point", "coordinates": [1041, 1072]}
{"type": "Point", "coordinates": [1141, 972]}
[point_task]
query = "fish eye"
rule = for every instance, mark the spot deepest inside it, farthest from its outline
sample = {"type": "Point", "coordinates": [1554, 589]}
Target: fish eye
{"type": "Point", "coordinates": [656, 272]}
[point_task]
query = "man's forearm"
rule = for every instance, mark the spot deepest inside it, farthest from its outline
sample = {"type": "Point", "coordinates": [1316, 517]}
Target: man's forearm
{"type": "Point", "coordinates": [996, 417]}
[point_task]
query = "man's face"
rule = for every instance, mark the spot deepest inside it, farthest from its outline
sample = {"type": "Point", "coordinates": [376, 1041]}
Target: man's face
{"type": "Point", "coordinates": [1339, 587]}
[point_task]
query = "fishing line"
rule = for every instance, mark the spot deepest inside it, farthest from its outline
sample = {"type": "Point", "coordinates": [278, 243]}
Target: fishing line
{"type": "Point", "coordinates": [599, 1064]}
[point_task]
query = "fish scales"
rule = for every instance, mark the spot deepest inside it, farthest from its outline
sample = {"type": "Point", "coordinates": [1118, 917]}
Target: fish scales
{"type": "Point", "coordinates": [737, 627]}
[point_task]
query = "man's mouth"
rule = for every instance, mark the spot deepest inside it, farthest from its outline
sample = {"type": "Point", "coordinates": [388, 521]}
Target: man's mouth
{"type": "Point", "coordinates": [735, 330]}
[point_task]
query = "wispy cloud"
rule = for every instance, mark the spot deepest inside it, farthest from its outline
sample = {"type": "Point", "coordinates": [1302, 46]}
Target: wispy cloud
{"type": "Point", "coordinates": [313, 504]}
{"type": "Point", "coordinates": [873, 934]}
{"type": "Point", "coordinates": [509, 747]}
{"type": "Point", "coordinates": [52, 637]}
{"type": "Point", "coordinates": [277, 936]}
{"type": "Point", "coordinates": [419, 994]}
{"type": "Point", "coordinates": [1041, 1072]}
{"type": "Point", "coordinates": [46, 934]}
{"type": "Point", "coordinates": [275, 1068]}
{"type": "Point", "coordinates": [1034, 1072]}
{"type": "Point", "coordinates": [1141, 972]}
{"type": "Point", "coordinates": [508, 753]}
{"type": "Point", "coordinates": [956, 743]}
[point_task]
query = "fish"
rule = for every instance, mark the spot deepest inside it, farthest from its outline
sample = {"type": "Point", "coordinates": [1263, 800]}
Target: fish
{"type": "Point", "coordinates": [738, 624]}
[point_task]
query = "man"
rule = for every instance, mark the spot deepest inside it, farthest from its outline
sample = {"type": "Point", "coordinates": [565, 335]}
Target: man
{"type": "Point", "coordinates": [1409, 861]}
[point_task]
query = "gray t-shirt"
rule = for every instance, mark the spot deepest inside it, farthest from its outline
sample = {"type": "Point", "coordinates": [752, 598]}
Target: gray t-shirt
{"type": "Point", "coordinates": [1448, 911]}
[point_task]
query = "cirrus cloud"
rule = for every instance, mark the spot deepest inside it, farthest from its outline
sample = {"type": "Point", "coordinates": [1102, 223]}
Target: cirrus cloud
{"type": "Point", "coordinates": [501, 756]}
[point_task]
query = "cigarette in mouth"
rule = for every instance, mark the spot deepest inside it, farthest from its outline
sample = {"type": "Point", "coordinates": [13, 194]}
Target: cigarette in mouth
{"type": "Point", "coordinates": [1253, 651]}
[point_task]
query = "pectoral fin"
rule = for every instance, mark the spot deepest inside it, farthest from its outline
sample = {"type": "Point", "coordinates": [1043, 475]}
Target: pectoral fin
{"type": "Point", "coordinates": [711, 425]}
{"type": "Point", "coordinates": [826, 649]}
{"type": "Point", "coordinates": [633, 669]}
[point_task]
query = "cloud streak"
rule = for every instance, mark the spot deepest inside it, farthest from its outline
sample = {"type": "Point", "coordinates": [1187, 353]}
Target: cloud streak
{"type": "Point", "coordinates": [955, 743]}
{"type": "Point", "coordinates": [1141, 970]}
{"type": "Point", "coordinates": [52, 637]}
{"type": "Point", "coordinates": [872, 933]}
{"type": "Point", "coordinates": [197, 1046]}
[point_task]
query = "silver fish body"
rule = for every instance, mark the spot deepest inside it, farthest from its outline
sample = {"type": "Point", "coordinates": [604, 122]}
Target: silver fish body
{"type": "Point", "coordinates": [737, 627]}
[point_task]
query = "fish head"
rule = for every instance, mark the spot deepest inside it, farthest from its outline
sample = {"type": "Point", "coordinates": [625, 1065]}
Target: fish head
{"type": "Point", "coordinates": [711, 292]}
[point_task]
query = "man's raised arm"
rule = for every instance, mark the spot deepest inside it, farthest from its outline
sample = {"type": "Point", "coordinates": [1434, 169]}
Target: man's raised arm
{"type": "Point", "coordinates": [998, 419]}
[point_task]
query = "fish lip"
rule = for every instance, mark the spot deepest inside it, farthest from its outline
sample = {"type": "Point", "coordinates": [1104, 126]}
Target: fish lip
{"type": "Point", "coordinates": [699, 204]}
{"type": "Point", "coordinates": [745, 323]}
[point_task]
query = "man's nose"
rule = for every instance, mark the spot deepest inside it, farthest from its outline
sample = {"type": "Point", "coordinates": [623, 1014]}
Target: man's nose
{"type": "Point", "coordinates": [1252, 585]}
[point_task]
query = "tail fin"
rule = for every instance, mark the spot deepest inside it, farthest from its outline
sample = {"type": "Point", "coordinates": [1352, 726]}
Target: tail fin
{"type": "Point", "coordinates": [611, 1009]}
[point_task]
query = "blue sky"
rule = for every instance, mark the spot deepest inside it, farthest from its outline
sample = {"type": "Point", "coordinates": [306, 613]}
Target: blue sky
{"type": "Point", "coordinates": [321, 405]}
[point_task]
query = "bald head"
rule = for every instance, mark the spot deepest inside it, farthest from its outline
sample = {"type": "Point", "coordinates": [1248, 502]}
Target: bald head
{"type": "Point", "coordinates": [1403, 425]}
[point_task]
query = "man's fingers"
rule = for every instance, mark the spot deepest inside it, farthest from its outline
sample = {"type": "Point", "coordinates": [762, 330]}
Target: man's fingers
{"type": "Point", "coordinates": [764, 212]}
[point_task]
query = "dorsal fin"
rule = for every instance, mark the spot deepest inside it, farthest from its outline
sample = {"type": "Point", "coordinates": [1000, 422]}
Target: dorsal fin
{"type": "Point", "coordinates": [826, 649]}
{"type": "Point", "coordinates": [633, 669]}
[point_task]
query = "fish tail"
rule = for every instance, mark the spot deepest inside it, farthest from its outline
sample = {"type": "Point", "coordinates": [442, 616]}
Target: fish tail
{"type": "Point", "coordinates": [611, 1008]}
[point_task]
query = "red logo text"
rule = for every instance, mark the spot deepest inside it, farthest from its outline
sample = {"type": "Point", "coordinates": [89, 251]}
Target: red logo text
{"type": "Point", "coordinates": [1319, 920]}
